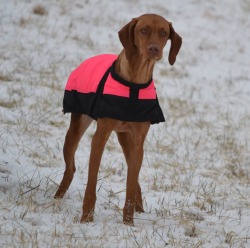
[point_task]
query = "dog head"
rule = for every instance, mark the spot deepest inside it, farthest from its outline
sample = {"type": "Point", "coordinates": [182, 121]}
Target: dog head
{"type": "Point", "coordinates": [147, 36]}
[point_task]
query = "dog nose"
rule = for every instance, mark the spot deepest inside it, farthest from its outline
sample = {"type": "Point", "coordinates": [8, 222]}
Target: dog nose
{"type": "Point", "coordinates": [154, 50]}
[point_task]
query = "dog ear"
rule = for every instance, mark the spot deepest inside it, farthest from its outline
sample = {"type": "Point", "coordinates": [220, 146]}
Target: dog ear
{"type": "Point", "coordinates": [126, 36]}
{"type": "Point", "coordinates": [176, 42]}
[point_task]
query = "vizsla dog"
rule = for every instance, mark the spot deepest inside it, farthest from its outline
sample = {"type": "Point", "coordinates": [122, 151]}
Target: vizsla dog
{"type": "Point", "coordinates": [91, 94]}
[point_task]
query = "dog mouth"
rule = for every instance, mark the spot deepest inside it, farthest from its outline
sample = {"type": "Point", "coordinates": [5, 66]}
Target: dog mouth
{"type": "Point", "coordinates": [152, 56]}
{"type": "Point", "coordinates": [154, 51]}
{"type": "Point", "coordinates": [156, 57]}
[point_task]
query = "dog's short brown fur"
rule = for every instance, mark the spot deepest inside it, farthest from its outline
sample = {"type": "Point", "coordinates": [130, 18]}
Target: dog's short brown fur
{"type": "Point", "coordinates": [143, 40]}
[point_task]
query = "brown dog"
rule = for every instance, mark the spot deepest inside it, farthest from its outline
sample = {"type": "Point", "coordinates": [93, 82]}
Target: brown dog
{"type": "Point", "coordinates": [143, 40]}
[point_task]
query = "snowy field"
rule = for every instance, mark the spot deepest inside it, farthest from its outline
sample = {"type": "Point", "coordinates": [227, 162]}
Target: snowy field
{"type": "Point", "coordinates": [195, 176]}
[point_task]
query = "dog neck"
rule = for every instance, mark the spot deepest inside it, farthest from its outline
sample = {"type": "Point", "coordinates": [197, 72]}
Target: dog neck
{"type": "Point", "coordinates": [136, 69]}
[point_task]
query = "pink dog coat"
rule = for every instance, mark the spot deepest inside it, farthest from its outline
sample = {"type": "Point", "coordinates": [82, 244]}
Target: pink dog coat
{"type": "Point", "coordinates": [96, 90]}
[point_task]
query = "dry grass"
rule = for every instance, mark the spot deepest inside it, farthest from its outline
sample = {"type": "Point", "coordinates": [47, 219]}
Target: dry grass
{"type": "Point", "coordinates": [195, 174]}
{"type": "Point", "coordinates": [39, 10]}
{"type": "Point", "coordinates": [180, 193]}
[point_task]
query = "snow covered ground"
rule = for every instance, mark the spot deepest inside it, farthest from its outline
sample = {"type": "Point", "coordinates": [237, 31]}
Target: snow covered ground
{"type": "Point", "coordinates": [195, 176]}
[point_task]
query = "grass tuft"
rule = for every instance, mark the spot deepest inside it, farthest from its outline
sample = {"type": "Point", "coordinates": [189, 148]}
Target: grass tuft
{"type": "Point", "coordinates": [39, 10]}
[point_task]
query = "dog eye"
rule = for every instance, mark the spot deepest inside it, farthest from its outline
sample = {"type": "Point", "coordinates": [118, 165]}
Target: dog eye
{"type": "Point", "coordinates": [163, 33]}
{"type": "Point", "coordinates": [144, 31]}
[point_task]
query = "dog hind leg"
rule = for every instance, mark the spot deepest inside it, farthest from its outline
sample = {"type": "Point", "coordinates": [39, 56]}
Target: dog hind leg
{"type": "Point", "coordinates": [78, 125]}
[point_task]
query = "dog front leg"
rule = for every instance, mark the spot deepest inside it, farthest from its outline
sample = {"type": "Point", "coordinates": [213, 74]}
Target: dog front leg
{"type": "Point", "coordinates": [124, 139]}
{"type": "Point", "coordinates": [138, 134]}
{"type": "Point", "coordinates": [134, 167]}
{"type": "Point", "coordinates": [97, 146]}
